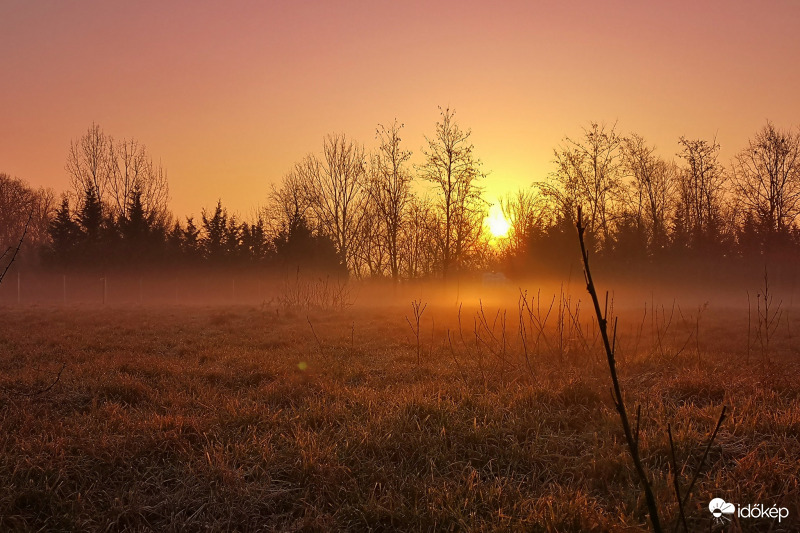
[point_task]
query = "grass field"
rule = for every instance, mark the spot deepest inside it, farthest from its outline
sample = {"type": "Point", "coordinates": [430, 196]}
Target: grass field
{"type": "Point", "coordinates": [257, 418]}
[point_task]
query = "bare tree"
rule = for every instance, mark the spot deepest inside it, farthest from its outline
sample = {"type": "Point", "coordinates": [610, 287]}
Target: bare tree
{"type": "Point", "coordinates": [652, 188]}
{"type": "Point", "coordinates": [525, 210]}
{"type": "Point", "coordinates": [24, 210]}
{"type": "Point", "coordinates": [417, 246]}
{"type": "Point", "coordinates": [91, 163]}
{"type": "Point", "coordinates": [290, 203]}
{"type": "Point", "coordinates": [766, 176]}
{"type": "Point", "coordinates": [390, 190]}
{"type": "Point", "coordinates": [701, 187]}
{"type": "Point", "coordinates": [588, 173]}
{"type": "Point", "coordinates": [15, 204]}
{"type": "Point", "coordinates": [337, 187]}
{"type": "Point", "coordinates": [372, 254]}
{"type": "Point", "coordinates": [453, 169]}
{"type": "Point", "coordinates": [114, 170]}
{"type": "Point", "coordinates": [134, 170]}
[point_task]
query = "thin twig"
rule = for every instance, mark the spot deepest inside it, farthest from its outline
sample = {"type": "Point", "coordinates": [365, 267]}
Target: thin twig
{"type": "Point", "coordinates": [418, 309]}
{"type": "Point", "coordinates": [675, 482]}
{"type": "Point", "coordinates": [602, 321]}
{"type": "Point", "coordinates": [46, 389]}
{"type": "Point", "coordinates": [19, 245]}
{"type": "Point", "coordinates": [319, 343]}
{"type": "Point", "coordinates": [455, 359]}
{"type": "Point", "coordinates": [705, 454]}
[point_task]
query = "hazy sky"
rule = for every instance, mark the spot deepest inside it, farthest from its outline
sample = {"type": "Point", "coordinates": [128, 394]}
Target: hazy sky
{"type": "Point", "coordinates": [228, 95]}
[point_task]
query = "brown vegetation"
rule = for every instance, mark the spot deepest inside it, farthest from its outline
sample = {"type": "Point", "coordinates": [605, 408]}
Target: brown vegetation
{"type": "Point", "coordinates": [243, 418]}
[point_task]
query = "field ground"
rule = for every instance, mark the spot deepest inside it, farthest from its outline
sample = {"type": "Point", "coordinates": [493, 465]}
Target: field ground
{"type": "Point", "coordinates": [259, 418]}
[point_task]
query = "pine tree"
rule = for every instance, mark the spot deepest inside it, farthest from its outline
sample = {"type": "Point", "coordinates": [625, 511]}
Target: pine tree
{"type": "Point", "coordinates": [64, 235]}
{"type": "Point", "coordinates": [254, 242]}
{"type": "Point", "coordinates": [257, 244]}
{"type": "Point", "coordinates": [135, 226]}
{"type": "Point", "coordinates": [190, 242]}
{"type": "Point", "coordinates": [90, 217]}
{"type": "Point", "coordinates": [233, 240]}
{"type": "Point", "coordinates": [298, 247]}
{"type": "Point", "coordinates": [174, 243]}
{"type": "Point", "coordinates": [213, 242]}
{"type": "Point", "coordinates": [93, 241]}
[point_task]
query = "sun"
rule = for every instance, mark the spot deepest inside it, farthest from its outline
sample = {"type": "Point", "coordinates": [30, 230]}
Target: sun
{"type": "Point", "coordinates": [496, 222]}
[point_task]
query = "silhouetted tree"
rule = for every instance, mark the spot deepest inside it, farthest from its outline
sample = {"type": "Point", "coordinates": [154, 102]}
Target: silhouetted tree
{"type": "Point", "coordinates": [141, 237]}
{"type": "Point", "coordinates": [651, 198]}
{"type": "Point", "coordinates": [95, 231]}
{"type": "Point", "coordinates": [418, 238]}
{"type": "Point", "coordinates": [90, 163]}
{"type": "Point", "coordinates": [372, 254]}
{"type": "Point", "coordinates": [214, 243]}
{"type": "Point", "coordinates": [766, 178]}
{"type": "Point", "coordinates": [455, 172]}
{"type": "Point", "coordinates": [135, 225]}
{"type": "Point", "coordinates": [290, 202]}
{"type": "Point", "coordinates": [65, 236]}
{"type": "Point", "coordinates": [134, 170]}
{"type": "Point", "coordinates": [525, 210]}
{"type": "Point", "coordinates": [254, 241]}
{"type": "Point", "coordinates": [751, 237]}
{"type": "Point", "coordinates": [389, 193]}
{"type": "Point", "coordinates": [23, 207]}
{"type": "Point", "coordinates": [630, 242]}
{"type": "Point", "coordinates": [550, 248]}
{"type": "Point", "coordinates": [298, 248]}
{"type": "Point", "coordinates": [232, 240]}
{"type": "Point", "coordinates": [174, 244]}
{"type": "Point", "coordinates": [337, 193]}
{"type": "Point", "coordinates": [589, 174]}
{"type": "Point", "coordinates": [114, 170]}
{"type": "Point", "coordinates": [191, 244]}
{"type": "Point", "coordinates": [698, 217]}
{"type": "Point", "coordinates": [90, 217]}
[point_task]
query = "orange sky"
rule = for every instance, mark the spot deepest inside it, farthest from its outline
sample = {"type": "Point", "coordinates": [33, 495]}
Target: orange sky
{"type": "Point", "coordinates": [229, 94]}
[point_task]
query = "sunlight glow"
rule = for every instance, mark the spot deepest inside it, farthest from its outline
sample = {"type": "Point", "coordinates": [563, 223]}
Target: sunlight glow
{"type": "Point", "coordinates": [496, 222]}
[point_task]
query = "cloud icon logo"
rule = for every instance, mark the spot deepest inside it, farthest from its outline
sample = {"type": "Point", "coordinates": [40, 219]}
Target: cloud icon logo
{"type": "Point", "coordinates": [719, 507]}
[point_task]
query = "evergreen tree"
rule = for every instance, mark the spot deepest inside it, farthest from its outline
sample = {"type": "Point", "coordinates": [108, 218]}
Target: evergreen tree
{"type": "Point", "coordinates": [95, 232]}
{"type": "Point", "coordinates": [254, 241]}
{"type": "Point", "coordinates": [142, 236]}
{"type": "Point", "coordinates": [190, 241]}
{"type": "Point", "coordinates": [214, 228]}
{"type": "Point", "coordinates": [298, 247]}
{"type": "Point", "coordinates": [91, 218]}
{"type": "Point", "coordinates": [174, 243]}
{"type": "Point", "coordinates": [233, 250]}
{"type": "Point", "coordinates": [64, 234]}
{"type": "Point", "coordinates": [135, 225]}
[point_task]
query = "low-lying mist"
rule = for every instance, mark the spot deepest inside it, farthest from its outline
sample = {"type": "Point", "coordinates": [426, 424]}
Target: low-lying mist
{"type": "Point", "coordinates": [304, 290]}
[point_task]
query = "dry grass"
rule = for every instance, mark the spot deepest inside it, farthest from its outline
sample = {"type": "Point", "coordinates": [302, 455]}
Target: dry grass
{"type": "Point", "coordinates": [190, 419]}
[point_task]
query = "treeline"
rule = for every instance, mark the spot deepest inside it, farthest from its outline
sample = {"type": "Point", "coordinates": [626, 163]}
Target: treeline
{"type": "Point", "coordinates": [343, 211]}
{"type": "Point", "coordinates": [374, 214]}
{"type": "Point", "coordinates": [645, 209]}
